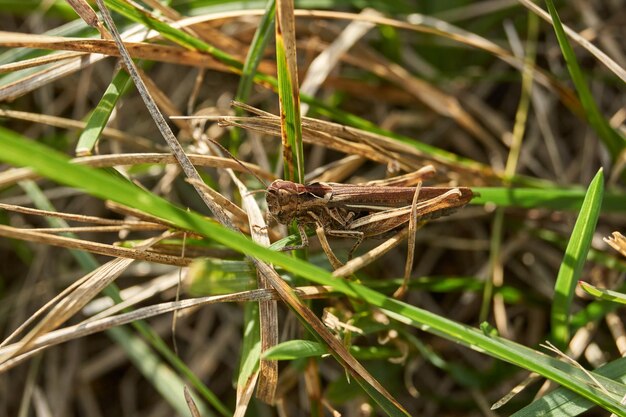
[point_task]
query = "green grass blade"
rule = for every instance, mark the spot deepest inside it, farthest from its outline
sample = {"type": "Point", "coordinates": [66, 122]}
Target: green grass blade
{"type": "Point", "coordinates": [20, 151]}
{"type": "Point", "coordinates": [100, 115]}
{"type": "Point", "coordinates": [288, 92]}
{"type": "Point", "coordinates": [550, 198]}
{"type": "Point", "coordinates": [574, 259]}
{"type": "Point", "coordinates": [562, 402]}
{"type": "Point", "coordinates": [262, 36]}
{"type": "Point", "coordinates": [299, 349]}
{"type": "Point", "coordinates": [173, 34]}
{"type": "Point", "coordinates": [603, 294]}
{"type": "Point", "coordinates": [612, 139]}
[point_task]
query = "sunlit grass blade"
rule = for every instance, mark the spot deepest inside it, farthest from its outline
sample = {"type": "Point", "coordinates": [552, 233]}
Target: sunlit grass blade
{"type": "Point", "coordinates": [574, 259]}
{"type": "Point", "coordinates": [562, 402]}
{"type": "Point", "coordinates": [100, 115]}
{"type": "Point", "coordinates": [611, 138]}
{"type": "Point", "coordinates": [19, 151]}
{"type": "Point", "coordinates": [288, 91]}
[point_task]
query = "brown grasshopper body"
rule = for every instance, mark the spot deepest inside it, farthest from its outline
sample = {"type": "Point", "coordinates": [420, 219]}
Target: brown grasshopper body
{"type": "Point", "coordinates": [359, 211]}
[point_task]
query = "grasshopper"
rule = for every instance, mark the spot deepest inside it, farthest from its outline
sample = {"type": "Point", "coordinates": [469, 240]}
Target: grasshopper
{"type": "Point", "coordinates": [358, 211]}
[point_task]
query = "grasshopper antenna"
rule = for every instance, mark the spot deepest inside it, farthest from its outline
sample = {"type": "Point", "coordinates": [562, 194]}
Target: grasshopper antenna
{"type": "Point", "coordinates": [223, 149]}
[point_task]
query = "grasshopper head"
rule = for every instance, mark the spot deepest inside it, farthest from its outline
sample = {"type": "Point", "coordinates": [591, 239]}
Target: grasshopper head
{"type": "Point", "coordinates": [282, 201]}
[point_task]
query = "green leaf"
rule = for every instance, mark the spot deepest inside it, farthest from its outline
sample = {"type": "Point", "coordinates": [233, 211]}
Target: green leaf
{"type": "Point", "coordinates": [603, 294]}
{"type": "Point", "coordinates": [548, 198]}
{"type": "Point", "coordinates": [101, 114]}
{"type": "Point", "coordinates": [299, 349]}
{"type": "Point", "coordinates": [295, 349]}
{"type": "Point", "coordinates": [262, 36]}
{"type": "Point", "coordinates": [574, 259]}
{"type": "Point", "coordinates": [20, 151]}
{"type": "Point", "coordinates": [288, 92]}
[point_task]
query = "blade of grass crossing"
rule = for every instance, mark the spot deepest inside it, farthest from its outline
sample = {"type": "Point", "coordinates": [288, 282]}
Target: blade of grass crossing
{"type": "Point", "coordinates": [612, 139]}
{"type": "Point", "coordinates": [574, 259]}
{"type": "Point", "coordinates": [20, 151]}
{"type": "Point", "coordinates": [288, 91]}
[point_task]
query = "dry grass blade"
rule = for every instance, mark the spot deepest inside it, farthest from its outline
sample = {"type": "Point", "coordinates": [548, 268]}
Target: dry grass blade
{"type": "Point", "coordinates": [89, 326]}
{"type": "Point", "coordinates": [32, 82]}
{"type": "Point", "coordinates": [339, 351]}
{"type": "Point", "coordinates": [244, 394]}
{"type": "Point", "coordinates": [516, 390]}
{"type": "Point", "coordinates": [617, 242]}
{"type": "Point", "coordinates": [353, 141]}
{"type": "Point", "coordinates": [326, 61]}
{"type": "Point", "coordinates": [75, 217]}
{"type": "Point", "coordinates": [71, 304]}
{"type": "Point", "coordinates": [38, 61]}
{"type": "Point", "coordinates": [64, 123]}
{"type": "Point", "coordinates": [268, 310]}
{"type": "Point", "coordinates": [239, 217]}
{"type": "Point", "coordinates": [406, 180]}
{"type": "Point", "coordinates": [105, 307]}
{"type": "Point", "coordinates": [99, 229]}
{"type": "Point", "coordinates": [193, 408]}
{"type": "Point", "coordinates": [335, 171]}
{"type": "Point", "coordinates": [410, 253]}
{"type": "Point", "coordinates": [128, 211]}
{"type": "Point", "coordinates": [94, 247]}
{"type": "Point", "coordinates": [436, 99]}
{"type": "Point", "coordinates": [549, 346]}
{"type": "Point", "coordinates": [426, 24]}
{"type": "Point", "coordinates": [12, 176]}
{"type": "Point", "coordinates": [84, 10]}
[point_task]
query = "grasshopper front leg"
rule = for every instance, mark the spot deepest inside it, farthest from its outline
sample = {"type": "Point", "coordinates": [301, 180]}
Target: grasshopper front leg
{"type": "Point", "coordinates": [304, 240]}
